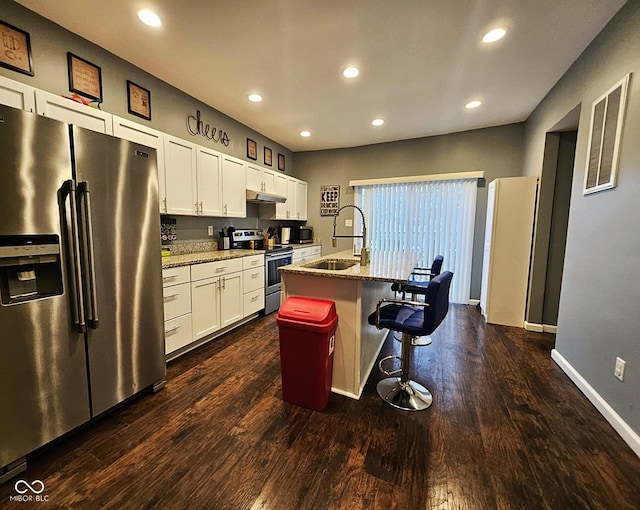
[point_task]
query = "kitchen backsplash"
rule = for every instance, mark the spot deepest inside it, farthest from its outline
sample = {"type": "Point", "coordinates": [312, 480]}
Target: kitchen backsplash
{"type": "Point", "coordinates": [191, 246]}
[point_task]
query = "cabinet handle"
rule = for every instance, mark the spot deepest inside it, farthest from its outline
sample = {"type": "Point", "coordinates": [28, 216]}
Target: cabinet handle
{"type": "Point", "coordinates": [254, 262]}
{"type": "Point", "coordinates": [254, 298]}
{"type": "Point", "coordinates": [223, 283]}
{"type": "Point", "coordinates": [196, 206]}
{"type": "Point", "coordinates": [218, 269]}
{"type": "Point", "coordinates": [171, 330]}
{"type": "Point", "coordinates": [164, 204]}
{"type": "Point", "coordinates": [254, 275]}
{"type": "Point", "coordinates": [171, 296]}
{"type": "Point", "coordinates": [200, 207]}
{"type": "Point", "coordinates": [169, 277]}
{"type": "Point", "coordinates": [225, 209]}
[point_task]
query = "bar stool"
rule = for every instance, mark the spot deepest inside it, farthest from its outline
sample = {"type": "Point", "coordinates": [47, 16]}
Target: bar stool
{"type": "Point", "coordinates": [412, 319]}
{"type": "Point", "coordinates": [418, 287]}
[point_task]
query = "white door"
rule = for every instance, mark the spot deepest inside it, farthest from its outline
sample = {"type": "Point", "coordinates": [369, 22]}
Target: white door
{"type": "Point", "coordinates": [209, 182]}
{"type": "Point", "coordinates": [269, 181]}
{"type": "Point", "coordinates": [234, 185]}
{"type": "Point", "coordinates": [17, 95]}
{"type": "Point", "coordinates": [282, 189]}
{"type": "Point", "coordinates": [301, 200]}
{"type": "Point", "coordinates": [145, 135]}
{"type": "Point", "coordinates": [66, 110]}
{"type": "Point", "coordinates": [291, 198]}
{"type": "Point", "coordinates": [205, 307]}
{"type": "Point", "coordinates": [231, 298]}
{"type": "Point", "coordinates": [254, 178]}
{"type": "Point", "coordinates": [180, 172]}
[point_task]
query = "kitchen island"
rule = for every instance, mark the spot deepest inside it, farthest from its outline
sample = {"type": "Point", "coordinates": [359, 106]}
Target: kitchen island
{"type": "Point", "coordinates": [356, 291]}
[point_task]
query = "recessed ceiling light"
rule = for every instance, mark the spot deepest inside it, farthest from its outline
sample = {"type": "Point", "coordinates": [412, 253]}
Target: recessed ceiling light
{"type": "Point", "coordinates": [473, 104]}
{"type": "Point", "coordinates": [494, 35]}
{"type": "Point", "coordinates": [306, 134]}
{"type": "Point", "coordinates": [377, 122]}
{"type": "Point", "coordinates": [255, 98]}
{"type": "Point", "coordinates": [149, 18]}
{"type": "Point", "coordinates": [351, 72]}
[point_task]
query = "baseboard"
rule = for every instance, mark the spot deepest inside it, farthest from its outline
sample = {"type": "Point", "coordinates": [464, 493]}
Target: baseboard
{"type": "Point", "coordinates": [619, 425]}
{"type": "Point", "coordinates": [474, 302]}
{"type": "Point", "coordinates": [529, 326]}
{"type": "Point", "coordinates": [540, 328]}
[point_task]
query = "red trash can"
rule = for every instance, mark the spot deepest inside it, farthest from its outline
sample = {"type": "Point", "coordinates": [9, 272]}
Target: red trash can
{"type": "Point", "coordinates": [307, 328]}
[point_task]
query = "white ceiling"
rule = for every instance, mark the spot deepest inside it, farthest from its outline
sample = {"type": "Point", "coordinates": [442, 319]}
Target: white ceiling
{"type": "Point", "coordinates": [420, 60]}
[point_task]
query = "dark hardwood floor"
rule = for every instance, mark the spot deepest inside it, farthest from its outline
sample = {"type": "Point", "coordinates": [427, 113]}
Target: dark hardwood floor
{"type": "Point", "coordinates": [507, 430]}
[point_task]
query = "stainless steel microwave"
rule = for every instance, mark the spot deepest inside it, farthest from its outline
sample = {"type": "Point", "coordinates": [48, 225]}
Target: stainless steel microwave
{"type": "Point", "coordinates": [301, 235]}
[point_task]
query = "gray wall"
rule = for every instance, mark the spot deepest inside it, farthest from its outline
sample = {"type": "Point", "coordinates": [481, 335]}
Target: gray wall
{"type": "Point", "coordinates": [169, 106]}
{"type": "Point", "coordinates": [497, 151]}
{"type": "Point", "coordinates": [598, 316]}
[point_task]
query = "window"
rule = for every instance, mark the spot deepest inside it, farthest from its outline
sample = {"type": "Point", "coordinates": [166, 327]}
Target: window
{"type": "Point", "coordinates": [428, 217]}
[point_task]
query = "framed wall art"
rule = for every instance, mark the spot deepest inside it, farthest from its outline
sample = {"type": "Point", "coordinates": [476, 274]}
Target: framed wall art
{"type": "Point", "coordinates": [281, 162]}
{"type": "Point", "coordinates": [268, 156]}
{"type": "Point", "coordinates": [252, 149]}
{"type": "Point", "coordinates": [85, 78]}
{"type": "Point", "coordinates": [605, 131]}
{"type": "Point", "coordinates": [138, 100]}
{"type": "Point", "coordinates": [15, 49]}
{"type": "Point", "coordinates": [329, 199]}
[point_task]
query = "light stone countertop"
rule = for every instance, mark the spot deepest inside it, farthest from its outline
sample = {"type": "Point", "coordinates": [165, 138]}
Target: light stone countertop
{"type": "Point", "coordinates": [385, 266]}
{"type": "Point", "coordinates": [207, 256]}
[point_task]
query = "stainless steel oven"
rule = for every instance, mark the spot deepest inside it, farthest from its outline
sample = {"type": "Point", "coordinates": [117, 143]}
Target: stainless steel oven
{"type": "Point", "coordinates": [273, 259]}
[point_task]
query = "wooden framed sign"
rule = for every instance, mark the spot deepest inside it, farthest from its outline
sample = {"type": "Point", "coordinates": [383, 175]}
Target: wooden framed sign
{"type": "Point", "coordinates": [281, 162]}
{"type": "Point", "coordinates": [268, 156]}
{"type": "Point", "coordinates": [15, 49]}
{"type": "Point", "coordinates": [85, 78]}
{"type": "Point", "coordinates": [138, 100]}
{"type": "Point", "coordinates": [252, 149]}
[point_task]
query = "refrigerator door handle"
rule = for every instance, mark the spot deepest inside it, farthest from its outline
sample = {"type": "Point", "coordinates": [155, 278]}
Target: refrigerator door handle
{"type": "Point", "coordinates": [83, 189]}
{"type": "Point", "coordinates": [68, 190]}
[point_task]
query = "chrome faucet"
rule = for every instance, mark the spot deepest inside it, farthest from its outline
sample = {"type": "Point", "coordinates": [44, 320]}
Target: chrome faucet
{"type": "Point", "coordinates": [334, 239]}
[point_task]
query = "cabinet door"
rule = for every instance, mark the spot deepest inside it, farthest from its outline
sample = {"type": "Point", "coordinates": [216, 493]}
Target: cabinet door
{"type": "Point", "coordinates": [134, 132]}
{"type": "Point", "coordinates": [282, 189]}
{"type": "Point", "coordinates": [180, 172]}
{"type": "Point", "coordinates": [254, 178]}
{"type": "Point", "coordinates": [301, 200]}
{"type": "Point", "coordinates": [291, 198]}
{"type": "Point", "coordinates": [209, 180]}
{"type": "Point", "coordinates": [269, 181]}
{"type": "Point", "coordinates": [231, 298]}
{"type": "Point", "coordinates": [17, 95]}
{"type": "Point", "coordinates": [66, 110]}
{"type": "Point", "coordinates": [234, 185]}
{"type": "Point", "coordinates": [205, 307]}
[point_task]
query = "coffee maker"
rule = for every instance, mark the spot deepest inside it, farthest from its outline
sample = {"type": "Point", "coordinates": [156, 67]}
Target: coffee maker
{"type": "Point", "coordinates": [285, 235]}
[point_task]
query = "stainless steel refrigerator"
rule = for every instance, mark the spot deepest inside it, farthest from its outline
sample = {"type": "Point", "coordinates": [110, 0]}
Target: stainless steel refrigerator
{"type": "Point", "coordinates": [81, 315]}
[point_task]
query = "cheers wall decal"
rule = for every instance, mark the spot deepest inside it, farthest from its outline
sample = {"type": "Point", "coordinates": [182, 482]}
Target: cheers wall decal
{"type": "Point", "coordinates": [196, 127]}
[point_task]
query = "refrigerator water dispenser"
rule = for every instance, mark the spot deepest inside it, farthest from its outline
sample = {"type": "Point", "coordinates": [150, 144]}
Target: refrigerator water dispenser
{"type": "Point", "coordinates": [29, 268]}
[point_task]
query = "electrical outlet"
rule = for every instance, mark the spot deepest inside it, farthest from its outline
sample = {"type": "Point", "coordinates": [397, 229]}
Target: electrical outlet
{"type": "Point", "coordinates": [619, 370]}
{"type": "Point", "coordinates": [210, 230]}
{"type": "Point", "coordinates": [348, 223]}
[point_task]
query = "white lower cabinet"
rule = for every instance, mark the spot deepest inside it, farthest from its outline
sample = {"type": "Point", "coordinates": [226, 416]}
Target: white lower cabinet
{"type": "Point", "coordinates": [217, 300]}
{"type": "Point", "coordinates": [306, 254]}
{"type": "Point", "coordinates": [176, 292]}
{"type": "Point", "coordinates": [253, 284]}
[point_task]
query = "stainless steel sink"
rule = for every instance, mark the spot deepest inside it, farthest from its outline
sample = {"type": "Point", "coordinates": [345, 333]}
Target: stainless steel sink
{"type": "Point", "coordinates": [331, 264]}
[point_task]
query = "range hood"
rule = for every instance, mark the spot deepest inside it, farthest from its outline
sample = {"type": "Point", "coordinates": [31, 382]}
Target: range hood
{"type": "Point", "coordinates": [262, 197]}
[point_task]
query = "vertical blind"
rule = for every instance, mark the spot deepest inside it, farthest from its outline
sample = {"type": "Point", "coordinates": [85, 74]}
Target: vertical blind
{"type": "Point", "coordinates": [429, 218]}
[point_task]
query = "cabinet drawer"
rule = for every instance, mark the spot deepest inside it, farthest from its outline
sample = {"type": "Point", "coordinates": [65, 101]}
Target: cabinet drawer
{"type": "Point", "coordinates": [177, 333]}
{"type": "Point", "coordinates": [253, 302]}
{"type": "Point", "coordinates": [177, 300]}
{"type": "Point", "coordinates": [211, 269]}
{"type": "Point", "coordinates": [175, 275]}
{"type": "Point", "coordinates": [253, 261]}
{"type": "Point", "coordinates": [316, 251]}
{"type": "Point", "coordinates": [253, 279]}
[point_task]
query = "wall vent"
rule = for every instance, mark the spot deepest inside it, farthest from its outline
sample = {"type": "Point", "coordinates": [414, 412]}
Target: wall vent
{"type": "Point", "coordinates": [607, 115]}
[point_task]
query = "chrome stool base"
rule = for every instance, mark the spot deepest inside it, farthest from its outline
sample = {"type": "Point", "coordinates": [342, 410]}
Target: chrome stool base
{"type": "Point", "coordinates": [409, 396]}
{"type": "Point", "coordinates": [417, 341]}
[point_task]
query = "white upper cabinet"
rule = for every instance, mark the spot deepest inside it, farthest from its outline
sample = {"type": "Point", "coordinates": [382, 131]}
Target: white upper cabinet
{"type": "Point", "coordinates": [301, 200]}
{"type": "Point", "coordinates": [234, 185]}
{"type": "Point", "coordinates": [144, 135]}
{"type": "Point", "coordinates": [260, 179]}
{"type": "Point", "coordinates": [181, 176]}
{"type": "Point", "coordinates": [209, 182]}
{"type": "Point", "coordinates": [17, 95]}
{"type": "Point", "coordinates": [66, 110]}
{"type": "Point", "coordinates": [281, 189]}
